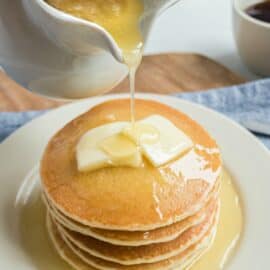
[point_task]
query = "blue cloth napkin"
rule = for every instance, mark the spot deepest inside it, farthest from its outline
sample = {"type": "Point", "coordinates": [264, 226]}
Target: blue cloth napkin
{"type": "Point", "coordinates": [250, 101]}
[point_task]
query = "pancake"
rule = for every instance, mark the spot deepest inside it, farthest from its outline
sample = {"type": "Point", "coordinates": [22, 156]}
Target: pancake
{"type": "Point", "coordinates": [136, 238]}
{"type": "Point", "coordinates": [182, 261]}
{"type": "Point", "coordinates": [141, 254]}
{"type": "Point", "coordinates": [81, 260]}
{"type": "Point", "coordinates": [113, 198]}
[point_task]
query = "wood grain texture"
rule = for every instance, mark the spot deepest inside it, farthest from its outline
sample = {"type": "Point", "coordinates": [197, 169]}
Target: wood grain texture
{"type": "Point", "coordinates": [172, 73]}
{"type": "Point", "coordinates": [13, 97]}
{"type": "Point", "coordinates": [163, 74]}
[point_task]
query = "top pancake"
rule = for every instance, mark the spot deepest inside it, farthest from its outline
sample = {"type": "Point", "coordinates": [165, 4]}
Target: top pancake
{"type": "Point", "coordinates": [124, 198]}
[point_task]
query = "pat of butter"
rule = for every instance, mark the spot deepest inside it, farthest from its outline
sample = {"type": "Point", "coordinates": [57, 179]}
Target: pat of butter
{"type": "Point", "coordinates": [171, 142]}
{"type": "Point", "coordinates": [119, 146]}
{"type": "Point", "coordinates": [96, 149]}
{"type": "Point", "coordinates": [142, 133]}
{"type": "Point", "coordinates": [122, 150]}
{"type": "Point", "coordinates": [123, 144]}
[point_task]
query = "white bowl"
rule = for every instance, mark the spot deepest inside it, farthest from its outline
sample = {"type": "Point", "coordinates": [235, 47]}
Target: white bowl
{"type": "Point", "coordinates": [252, 37]}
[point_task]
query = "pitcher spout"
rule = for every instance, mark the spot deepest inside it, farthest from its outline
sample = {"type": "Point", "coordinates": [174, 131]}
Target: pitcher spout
{"type": "Point", "coordinates": [76, 36]}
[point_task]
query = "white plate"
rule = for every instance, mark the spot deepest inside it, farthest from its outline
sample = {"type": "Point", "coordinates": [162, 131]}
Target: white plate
{"type": "Point", "coordinates": [245, 157]}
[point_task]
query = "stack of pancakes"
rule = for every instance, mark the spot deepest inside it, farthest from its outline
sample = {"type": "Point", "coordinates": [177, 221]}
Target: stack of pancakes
{"type": "Point", "coordinates": [131, 218]}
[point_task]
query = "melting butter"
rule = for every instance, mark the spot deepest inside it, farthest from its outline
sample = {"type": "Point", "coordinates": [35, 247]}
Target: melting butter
{"type": "Point", "coordinates": [141, 132]}
{"type": "Point", "coordinates": [124, 144]}
{"type": "Point", "coordinates": [121, 151]}
{"type": "Point", "coordinates": [119, 146]}
{"type": "Point", "coordinates": [88, 153]}
{"type": "Point", "coordinates": [172, 141]}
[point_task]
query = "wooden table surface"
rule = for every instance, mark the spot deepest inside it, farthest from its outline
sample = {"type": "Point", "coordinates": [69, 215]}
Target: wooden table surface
{"type": "Point", "coordinates": [163, 74]}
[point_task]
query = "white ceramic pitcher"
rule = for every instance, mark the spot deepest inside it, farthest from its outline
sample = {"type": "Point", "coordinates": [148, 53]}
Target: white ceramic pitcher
{"type": "Point", "coordinates": [59, 55]}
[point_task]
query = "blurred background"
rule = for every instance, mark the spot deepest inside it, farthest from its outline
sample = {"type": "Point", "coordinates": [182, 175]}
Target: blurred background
{"type": "Point", "coordinates": [201, 26]}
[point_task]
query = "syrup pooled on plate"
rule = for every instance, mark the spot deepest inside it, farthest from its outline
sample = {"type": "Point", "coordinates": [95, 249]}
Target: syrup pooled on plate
{"type": "Point", "coordinates": [229, 228]}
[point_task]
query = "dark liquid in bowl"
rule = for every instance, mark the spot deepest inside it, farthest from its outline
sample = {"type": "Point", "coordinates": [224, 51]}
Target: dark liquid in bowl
{"type": "Point", "coordinates": [260, 11]}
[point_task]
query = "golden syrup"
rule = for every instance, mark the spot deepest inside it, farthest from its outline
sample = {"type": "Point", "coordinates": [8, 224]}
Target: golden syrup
{"type": "Point", "coordinates": [132, 60]}
{"type": "Point", "coordinates": [228, 231]}
{"type": "Point", "coordinates": [121, 19]}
